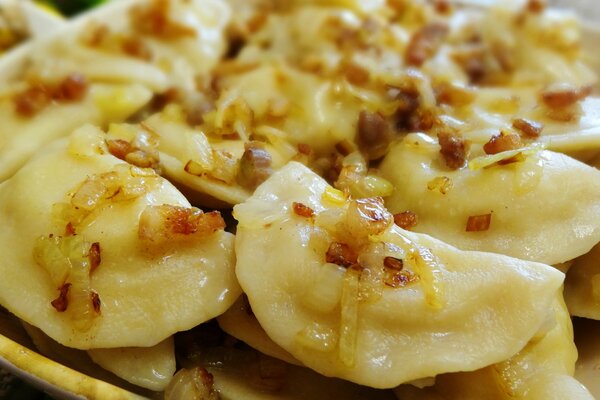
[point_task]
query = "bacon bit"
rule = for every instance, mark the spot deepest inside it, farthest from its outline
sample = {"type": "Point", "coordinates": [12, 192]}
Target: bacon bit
{"type": "Point", "coordinates": [472, 62]}
{"type": "Point", "coordinates": [305, 149]}
{"type": "Point", "coordinates": [398, 279]}
{"type": "Point", "coordinates": [562, 96]}
{"type": "Point", "coordinates": [536, 6]}
{"type": "Point", "coordinates": [302, 210]}
{"type": "Point", "coordinates": [408, 104]}
{"type": "Point", "coordinates": [373, 134]}
{"type": "Point", "coordinates": [341, 254]}
{"type": "Point", "coordinates": [37, 97]}
{"type": "Point", "coordinates": [393, 263]}
{"type": "Point", "coordinates": [345, 147]}
{"type": "Point", "coordinates": [454, 149]}
{"type": "Point", "coordinates": [424, 43]}
{"type": "Point", "coordinates": [32, 100]}
{"type": "Point", "coordinates": [527, 127]}
{"type": "Point", "coordinates": [502, 142]}
{"type": "Point", "coordinates": [72, 88]}
{"type": "Point", "coordinates": [69, 229]}
{"type": "Point", "coordinates": [255, 165]}
{"type": "Point", "coordinates": [96, 303]}
{"type": "Point", "coordinates": [135, 47]}
{"type": "Point", "coordinates": [94, 255]}
{"type": "Point", "coordinates": [166, 222]}
{"type": "Point", "coordinates": [61, 303]}
{"type": "Point", "coordinates": [443, 7]}
{"type": "Point", "coordinates": [479, 223]}
{"type": "Point", "coordinates": [406, 220]}
{"type": "Point", "coordinates": [154, 20]}
{"type": "Point", "coordinates": [442, 184]}
{"type": "Point", "coordinates": [355, 74]}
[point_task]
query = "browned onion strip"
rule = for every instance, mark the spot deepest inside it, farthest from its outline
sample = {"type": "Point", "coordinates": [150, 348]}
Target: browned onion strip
{"type": "Point", "coordinates": [61, 303]}
{"type": "Point", "coordinates": [503, 142]}
{"type": "Point", "coordinates": [527, 127]}
{"type": "Point", "coordinates": [341, 254]}
{"type": "Point", "coordinates": [406, 220]}
{"type": "Point", "coordinates": [166, 222]}
{"type": "Point", "coordinates": [302, 210]}
{"type": "Point", "coordinates": [424, 43]}
{"type": "Point", "coordinates": [561, 96]}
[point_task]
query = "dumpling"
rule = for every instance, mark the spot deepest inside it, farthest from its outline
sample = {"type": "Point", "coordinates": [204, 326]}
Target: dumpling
{"type": "Point", "coordinates": [108, 254]}
{"type": "Point", "coordinates": [582, 285]}
{"type": "Point", "coordinates": [88, 72]}
{"type": "Point", "coordinates": [350, 295]}
{"type": "Point", "coordinates": [239, 322]}
{"type": "Point", "coordinates": [507, 197]}
{"type": "Point", "coordinates": [541, 370]}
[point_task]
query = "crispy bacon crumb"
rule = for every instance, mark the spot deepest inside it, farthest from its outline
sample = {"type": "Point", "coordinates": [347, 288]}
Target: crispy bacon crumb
{"type": "Point", "coordinates": [38, 96]}
{"type": "Point", "coordinates": [406, 220]}
{"type": "Point", "coordinates": [424, 43]}
{"type": "Point", "coordinates": [527, 127]}
{"type": "Point", "coordinates": [341, 254]}
{"type": "Point", "coordinates": [503, 142]}
{"type": "Point", "coordinates": [373, 134]}
{"type": "Point", "coordinates": [393, 263]}
{"type": "Point", "coordinates": [71, 89]}
{"type": "Point", "coordinates": [302, 210]}
{"type": "Point", "coordinates": [61, 303]}
{"type": "Point", "coordinates": [479, 223]}
{"type": "Point", "coordinates": [561, 96]}
{"type": "Point", "coordinates": [454, 149]}
{"type": "Point", "coordinates": [94, 255]}
{"type": "Point", "coordinates": [96, 303]}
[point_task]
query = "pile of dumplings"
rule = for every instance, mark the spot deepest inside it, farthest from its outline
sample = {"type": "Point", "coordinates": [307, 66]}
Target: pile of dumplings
{"type": "Point", "coordinates": [265, 199]}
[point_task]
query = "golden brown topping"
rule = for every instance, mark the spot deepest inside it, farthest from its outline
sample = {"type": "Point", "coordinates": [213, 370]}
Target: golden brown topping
{"type": "Point", "coordinates": [443, 6]}
{"type": "Point", "coordinates": [373, 135]}
{"type": "Point", "coordinates": [194, 383]}
{"type": "Point", "coordinates": [69, 229]}
{"type": "Point", "coordinates": [355, 74]}
{"type": "Point", "coordinates": [38, 96]}
{"type": "Point", "coordinates": [367, 217]}
{"type": "Point", "coordinates": [424, 43]}
{"type": "Point", "coordinates": [479, 223]}
{"type": "Point", "coordinates": [527, 127]}
{"type": "Point", "coordinates": [345, 147]}
{"type": "Point", "coordinates": [454, 149]}
{"type": "Point", "coordinates": [135, 47]}
{"type": "Point", "coordinates": [406, 220]}
{"type": "Point", "coordinates": [96, 303]}
{"type": "Point", "coordinates": [119, 148]}
{"type": "Point", "coordinates": [32, 100]}
{"type": "Point", "coordinates": [167, 222]}
{"type": "Point", "coordinates": [503, 142]}
{"type": "Point", "coordinates": [72, 88]}
{"type": "Point", "coordinates": [305, 149]}
{"type": "Point", "coordinates": [302, 210]}
{"type": "Point", "coordinates": [255, 165]}
{"type": "Point", "coordinates": [61, 303]}
{"type": "Point", "coordinates": [94, 255]}
{"type": "Point", "coordinates": [141, 152]}
{"type": "Point", "coordinates": [393, 263]}
{"type": "Point", "coordinates": [536, 6]}
{"type": "Point", "coordinates": [154, 19]}
{"type": "Point", "coordinates": [341, 254]}
{"type": "Point", "coordinates": [561, 96]}
{"type": "Point", "coordinates": [442, 184]}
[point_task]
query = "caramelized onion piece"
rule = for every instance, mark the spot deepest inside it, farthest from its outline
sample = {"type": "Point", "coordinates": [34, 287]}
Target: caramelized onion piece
{"type": "Point", "coordinates": [166, 222]}
{"type": "Point", "coordinates": [192, 384]}
{"type": "Point", "coordinates": [154, 19]}
{"type": "Point", "coordinates": [341, 254]}
{"type": "Point", "coordinates": [536, 6]}
{"type": "Point", "coordinates": [502, 142]}
{"type": "Point", "coordinates": [302, 210]}
{"type": "Point", "coordinates": [367, 217]}
{"type": "Point", "coordinates": [479, 223]}
{"type": "Point", "coordinates": [424, 43]}
{"type": "Point", "coordinates": [95, 258]}
{"type": "Point", "coordinates": [454, 149]}
{"type": "Point", "coordinates": [61, 303]}
{"type": "Point", "coordinates": [406, 220]}
{"type": "Point", "coordinates": [527, 127]}
{"type": "Point", "coordinates": [38, 96]}
{"type": "Point", "coordinates": [32, 100]}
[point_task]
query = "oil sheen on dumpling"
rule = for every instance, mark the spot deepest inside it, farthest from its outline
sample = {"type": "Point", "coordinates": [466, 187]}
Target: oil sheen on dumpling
{"type": "Point", "coordinates": [542, 370]}
{"type": "Point", "coordinates": [86, 243]}
{"type": "Point", "coordinates": [350, 295]}
{"type": "Point", "coordinates": [542, 209]}
{"type": "Point", "coordinates": [582, 285]}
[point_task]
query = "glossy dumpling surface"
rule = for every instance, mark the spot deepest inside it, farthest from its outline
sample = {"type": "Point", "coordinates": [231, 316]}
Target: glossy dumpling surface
{"type": "Point", "coordinates": [376, 322]}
